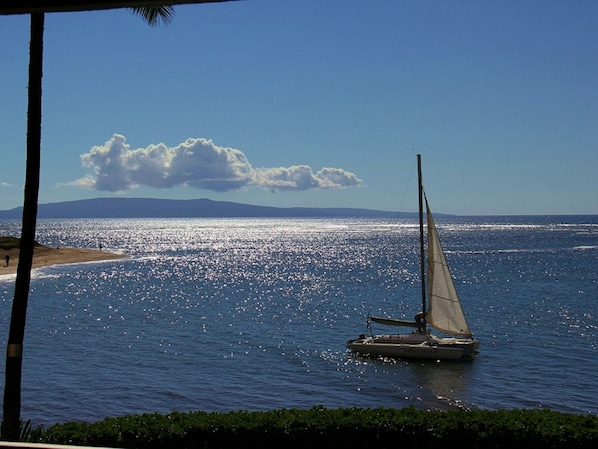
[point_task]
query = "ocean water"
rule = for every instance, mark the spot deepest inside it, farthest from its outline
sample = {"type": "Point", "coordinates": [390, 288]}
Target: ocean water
{"type": "Point", "coordinates": [254, 314]}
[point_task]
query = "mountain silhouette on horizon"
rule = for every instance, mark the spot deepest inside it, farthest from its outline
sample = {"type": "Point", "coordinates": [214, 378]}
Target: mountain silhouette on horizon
{"type": "Point", "coordinates": [196, 208]}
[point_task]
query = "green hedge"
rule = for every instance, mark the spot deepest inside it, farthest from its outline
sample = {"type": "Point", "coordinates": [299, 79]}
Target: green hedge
{"type": "Point", "coordinates": [330, 428]}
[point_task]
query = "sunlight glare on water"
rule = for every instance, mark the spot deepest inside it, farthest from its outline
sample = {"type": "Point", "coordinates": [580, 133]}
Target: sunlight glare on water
{"type": "Point", "coordinates": [254, 314]}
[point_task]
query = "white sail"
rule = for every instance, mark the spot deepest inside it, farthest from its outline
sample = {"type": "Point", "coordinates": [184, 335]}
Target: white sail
{"type": "Point", "coordinates": [445, 312]}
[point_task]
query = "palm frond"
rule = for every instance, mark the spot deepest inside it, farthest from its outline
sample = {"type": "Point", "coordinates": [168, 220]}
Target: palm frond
{"type": "Point", "coordinates": [153, 15]}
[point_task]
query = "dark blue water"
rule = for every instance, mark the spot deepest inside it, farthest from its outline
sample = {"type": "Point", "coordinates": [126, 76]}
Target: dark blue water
{"type": "Point", "coordinates": [253, 314]}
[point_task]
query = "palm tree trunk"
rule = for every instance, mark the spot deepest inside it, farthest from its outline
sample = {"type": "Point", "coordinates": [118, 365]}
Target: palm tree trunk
{"type": "Point", "coordinates": [11, 423]}
{"type": "Point", "coordinates": [14, 352]}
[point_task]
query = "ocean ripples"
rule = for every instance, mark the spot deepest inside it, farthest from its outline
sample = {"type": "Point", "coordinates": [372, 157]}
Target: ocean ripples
{"type": "Point", "coordinates": [254, 314]}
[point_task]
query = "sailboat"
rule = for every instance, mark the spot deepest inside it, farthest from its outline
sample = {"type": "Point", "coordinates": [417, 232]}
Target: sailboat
{"type": "Point", "coordinates": [441, 308]}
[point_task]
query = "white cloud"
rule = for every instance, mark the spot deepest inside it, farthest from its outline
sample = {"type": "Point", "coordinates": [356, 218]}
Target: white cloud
{"type": "Point", "coordinates": [301, 177]}
{"type": "Point", "coordinates": [197, 163]}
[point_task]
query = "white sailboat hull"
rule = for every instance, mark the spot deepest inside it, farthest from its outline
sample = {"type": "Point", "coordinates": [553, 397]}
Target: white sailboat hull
{"type": "Point", "coordinates": [413, 346]}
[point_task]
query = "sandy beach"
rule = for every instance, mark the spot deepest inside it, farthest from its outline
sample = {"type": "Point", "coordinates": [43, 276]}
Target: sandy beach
{"type": "Point", "coordinates": [44, 256]}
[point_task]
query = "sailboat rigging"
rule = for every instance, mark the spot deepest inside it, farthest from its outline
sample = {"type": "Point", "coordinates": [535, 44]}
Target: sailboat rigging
{"type": "Point", "coordinates": [441, 307]}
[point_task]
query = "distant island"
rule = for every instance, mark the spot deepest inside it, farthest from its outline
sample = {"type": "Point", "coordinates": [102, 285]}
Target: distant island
{"type": "Point", "coordinates": [197, 208]}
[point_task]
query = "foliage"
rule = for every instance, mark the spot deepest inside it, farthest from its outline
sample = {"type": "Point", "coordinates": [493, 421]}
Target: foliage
{"type": "Point", "coordinates": [347, 428]}
{"type": "Point", "coordinates": [12, 242]}
{"type": "Point", "coordinates": [26, 432]}
{"type": "Point", "coordinates": [9, 242]}
{"type": "Point", "coordinates": [154, 14]}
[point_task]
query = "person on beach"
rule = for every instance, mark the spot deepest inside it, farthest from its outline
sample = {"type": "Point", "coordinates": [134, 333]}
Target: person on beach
{"type": "Point", "coordinates": [7, 258]}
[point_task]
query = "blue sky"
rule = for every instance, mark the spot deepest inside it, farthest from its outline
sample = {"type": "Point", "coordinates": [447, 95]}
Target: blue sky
{"type": "Point", "coordinates": [314, 103]}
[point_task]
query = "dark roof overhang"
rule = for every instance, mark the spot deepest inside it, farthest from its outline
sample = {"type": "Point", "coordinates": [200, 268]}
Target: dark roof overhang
{"type": "Point", "coordinates": [36, 6]}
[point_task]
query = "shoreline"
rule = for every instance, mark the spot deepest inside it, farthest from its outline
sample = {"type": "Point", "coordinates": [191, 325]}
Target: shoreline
{"type": "Point", "coordinates": [44, 256]}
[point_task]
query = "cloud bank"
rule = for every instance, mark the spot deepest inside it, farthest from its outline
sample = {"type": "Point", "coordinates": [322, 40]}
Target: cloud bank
{"type": "Point", "coordinates": [199, 163]}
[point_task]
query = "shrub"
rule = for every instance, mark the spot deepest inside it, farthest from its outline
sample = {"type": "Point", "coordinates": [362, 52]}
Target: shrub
{"type": "Point", "coordinates": [345, 428]}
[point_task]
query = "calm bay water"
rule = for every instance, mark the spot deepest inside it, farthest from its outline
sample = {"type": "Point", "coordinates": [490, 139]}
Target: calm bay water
{"type": "Point", "coordinates": [254, 314]}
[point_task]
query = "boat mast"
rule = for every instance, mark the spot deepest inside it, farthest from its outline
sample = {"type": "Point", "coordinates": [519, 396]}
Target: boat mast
{"type": "Point", "coordinates": [421, 234]}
